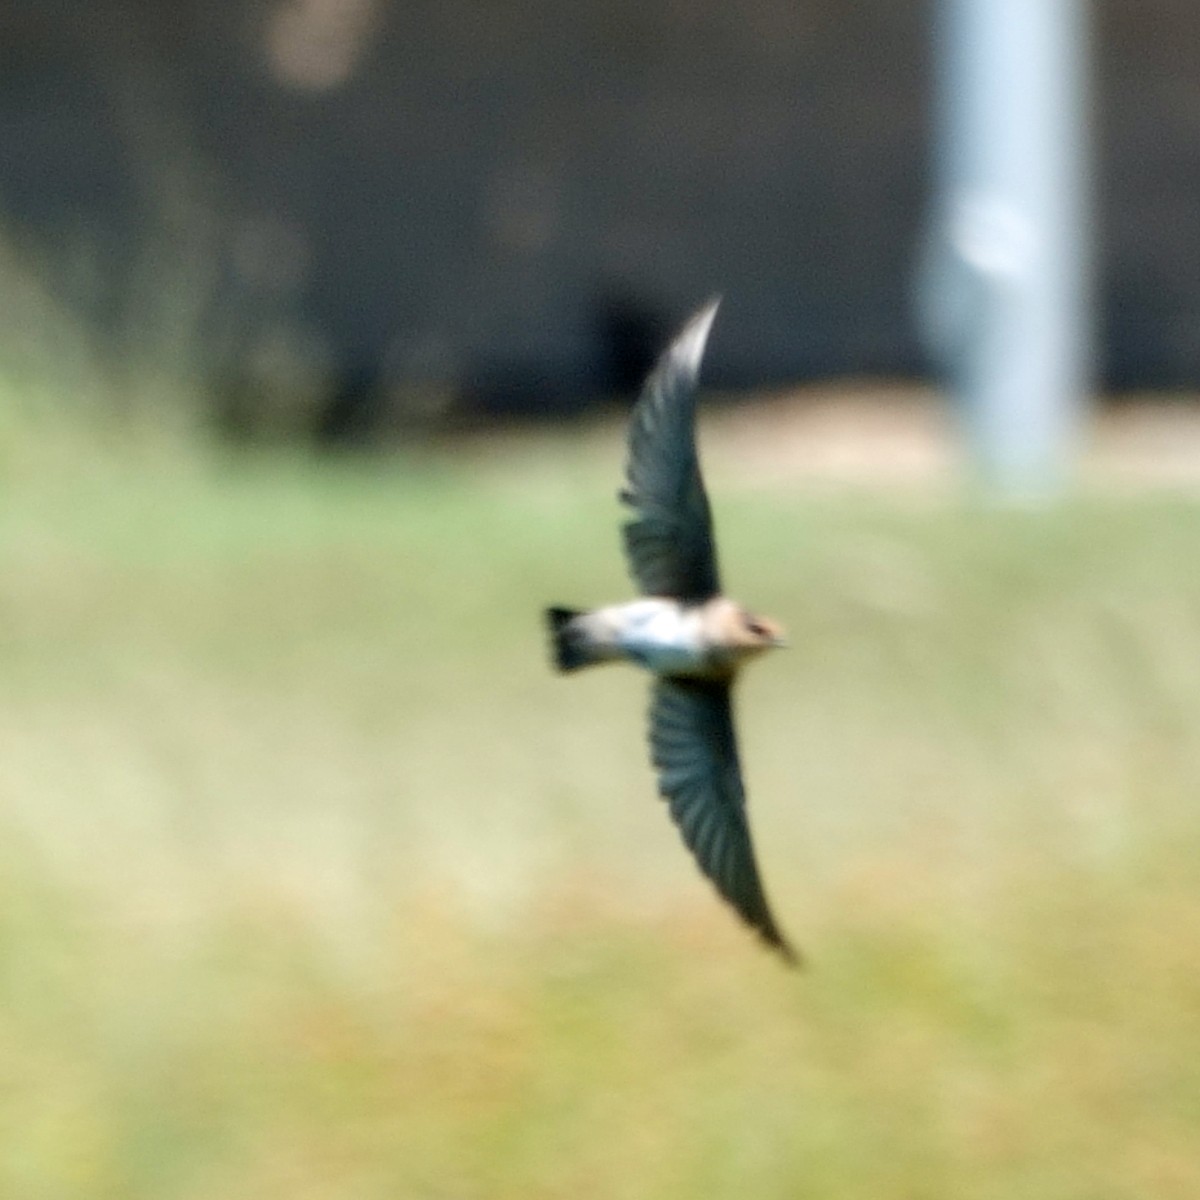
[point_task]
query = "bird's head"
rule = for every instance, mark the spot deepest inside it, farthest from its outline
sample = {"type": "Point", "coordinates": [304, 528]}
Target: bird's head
{"type": "Point", "coordinates": [752, 634]}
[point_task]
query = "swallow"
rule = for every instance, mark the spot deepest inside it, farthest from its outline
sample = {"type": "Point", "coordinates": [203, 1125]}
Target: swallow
{"type": "Point", "coordinates": [692, 638]}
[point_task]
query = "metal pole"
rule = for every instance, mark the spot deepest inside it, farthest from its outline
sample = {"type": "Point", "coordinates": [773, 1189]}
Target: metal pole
{"type": "Point", "coordinates": [1005, 291]}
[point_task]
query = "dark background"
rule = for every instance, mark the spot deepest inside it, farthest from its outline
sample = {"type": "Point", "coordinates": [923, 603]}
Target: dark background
{"type": "Point", "coordinates": [364, 212]}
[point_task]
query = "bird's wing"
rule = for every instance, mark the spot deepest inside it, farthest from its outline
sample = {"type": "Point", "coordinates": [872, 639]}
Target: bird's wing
{"type": "Point", "coordinates": [669, 543]}
{"type": "Point", "coordinates": [694, 749]}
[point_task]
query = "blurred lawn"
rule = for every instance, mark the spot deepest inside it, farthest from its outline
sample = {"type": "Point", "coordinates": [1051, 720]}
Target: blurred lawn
{"type": "Point", "coordinates": [314, 882]}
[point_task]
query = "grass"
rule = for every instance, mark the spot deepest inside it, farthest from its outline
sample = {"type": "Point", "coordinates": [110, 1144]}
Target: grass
{"type": "Point", "coordinates": [314, 882]}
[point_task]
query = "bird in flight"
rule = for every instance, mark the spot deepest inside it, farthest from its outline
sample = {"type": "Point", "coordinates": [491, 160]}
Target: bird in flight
{"type": "Point", "coordinates": [690, 636]}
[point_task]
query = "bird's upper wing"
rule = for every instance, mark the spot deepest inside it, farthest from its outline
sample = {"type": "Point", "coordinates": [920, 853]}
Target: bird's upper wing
{"type": "Point", "coordinates": [694, 749]}
{"type": "Point", "coordinates": [669, 543]}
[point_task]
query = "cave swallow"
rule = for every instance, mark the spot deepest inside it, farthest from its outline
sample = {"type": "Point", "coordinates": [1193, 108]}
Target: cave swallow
{"type": "Point", "coordinates": [690, 636]}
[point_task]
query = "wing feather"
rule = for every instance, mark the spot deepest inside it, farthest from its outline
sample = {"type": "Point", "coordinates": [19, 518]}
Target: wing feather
{"type": "Point", "coordinates": [669, 543]}
{"type": "Point", "coordinates": [694, 749]}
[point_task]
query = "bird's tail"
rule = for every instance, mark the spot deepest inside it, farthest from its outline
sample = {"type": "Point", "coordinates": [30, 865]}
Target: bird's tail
{"type": "Point", "coordinates": [570, 646]}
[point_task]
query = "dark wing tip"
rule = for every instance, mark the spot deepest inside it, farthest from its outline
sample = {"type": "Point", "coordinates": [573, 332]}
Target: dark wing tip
{"type": "Point", "coordinates": [687, 349]}
{"type": "Point", "coordinates": [777, 942]}
{"type": "Point", "coordinates": [763, 923]}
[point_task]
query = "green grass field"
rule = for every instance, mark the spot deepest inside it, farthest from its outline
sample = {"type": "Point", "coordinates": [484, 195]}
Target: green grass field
{"type": "Point", "coordinates": [314, 881]}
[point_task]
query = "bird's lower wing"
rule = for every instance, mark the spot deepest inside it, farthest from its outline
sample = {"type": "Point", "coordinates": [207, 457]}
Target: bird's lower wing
{"type": "Point", "coordinates": [694, 749]}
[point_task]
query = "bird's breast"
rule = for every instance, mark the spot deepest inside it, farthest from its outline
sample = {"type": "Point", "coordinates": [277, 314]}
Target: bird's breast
{"type": "Point", "coordinates": [664, 636]}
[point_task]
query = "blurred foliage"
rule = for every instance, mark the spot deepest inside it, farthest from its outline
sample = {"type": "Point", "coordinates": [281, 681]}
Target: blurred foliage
{"type": "Point", "coordinates": [344, 221]}
{"type": "Point", "coordinates": [350, 217]}
{"type": "Point", "coordinates": [316, 882]}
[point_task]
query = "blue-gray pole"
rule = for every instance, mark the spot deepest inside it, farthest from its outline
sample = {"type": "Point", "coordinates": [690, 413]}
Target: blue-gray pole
{"type": "Point", "coordinates": [1005, 290]}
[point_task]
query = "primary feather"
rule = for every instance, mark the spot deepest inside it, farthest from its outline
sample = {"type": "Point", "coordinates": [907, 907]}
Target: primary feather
{"type": "Point", "coordinates": [669, 543]}
{"type": "Point", "coordinates": [694, 749]}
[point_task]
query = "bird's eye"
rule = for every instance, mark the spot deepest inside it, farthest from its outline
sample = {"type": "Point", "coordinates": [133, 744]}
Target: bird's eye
{"type": "Point", "coordinates": [756, 628]}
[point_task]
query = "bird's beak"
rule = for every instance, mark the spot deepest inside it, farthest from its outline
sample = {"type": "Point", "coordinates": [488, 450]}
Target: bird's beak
{"type": "Point", "coordinates": [780, 642]}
